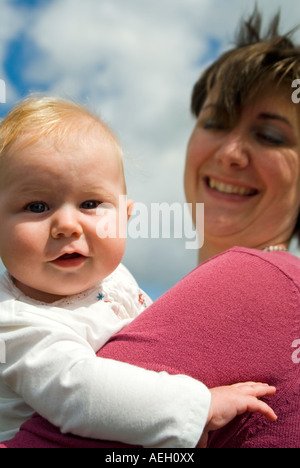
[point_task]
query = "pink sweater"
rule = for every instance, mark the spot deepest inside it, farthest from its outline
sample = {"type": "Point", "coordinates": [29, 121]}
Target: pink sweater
{"type": "Point", "coordinates": [234, 318]}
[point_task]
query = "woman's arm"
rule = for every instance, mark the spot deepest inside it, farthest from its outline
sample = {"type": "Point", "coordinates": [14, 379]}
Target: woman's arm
{"type": "Point", "coordinates": [232, 319]}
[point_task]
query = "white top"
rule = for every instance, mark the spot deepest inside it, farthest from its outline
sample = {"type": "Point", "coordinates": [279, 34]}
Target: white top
{"type": "Point", "coordinates": [50, 367]}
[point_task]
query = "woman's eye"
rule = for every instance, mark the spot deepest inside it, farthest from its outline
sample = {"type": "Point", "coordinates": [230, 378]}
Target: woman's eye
{"type": "Point", "coordinates": [90, 205]}
{"type": "Point", "coordinates": [37, 207]}
{"type": "Point", "coordinates": [213, 124]}
{"type": "Point", "coordinates": [270, 135]}
{"type": "Point", "coordinates": [271, 138]}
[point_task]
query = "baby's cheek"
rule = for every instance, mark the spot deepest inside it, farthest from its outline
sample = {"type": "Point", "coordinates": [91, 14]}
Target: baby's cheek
{"type": "Point", "coordinates": [28, 239]}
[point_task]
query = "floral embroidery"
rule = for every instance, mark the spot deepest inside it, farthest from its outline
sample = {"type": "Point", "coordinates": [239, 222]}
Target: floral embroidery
{"type": "Point", "coordinates": [141, 299]}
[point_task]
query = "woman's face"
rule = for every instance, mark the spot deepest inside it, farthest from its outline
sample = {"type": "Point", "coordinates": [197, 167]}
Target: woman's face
{"type": "Point", "coordinates": [247, 174]}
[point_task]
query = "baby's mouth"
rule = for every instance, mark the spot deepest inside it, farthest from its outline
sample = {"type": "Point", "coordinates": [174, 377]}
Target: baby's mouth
{"type": "Point", "coordinates": [69, 256]}
{"type": "Point", "coordinates": [70, 259]}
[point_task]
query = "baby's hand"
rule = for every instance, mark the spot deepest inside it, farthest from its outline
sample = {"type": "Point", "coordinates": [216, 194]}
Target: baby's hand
{"type": "Point", "coordinates": [230, 401]}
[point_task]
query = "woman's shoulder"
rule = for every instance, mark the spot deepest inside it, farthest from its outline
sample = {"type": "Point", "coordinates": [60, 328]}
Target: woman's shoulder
{"type": "Point", "coordinates": [251, 269]}
{"type": "Point", "coordinates": [285, 262]}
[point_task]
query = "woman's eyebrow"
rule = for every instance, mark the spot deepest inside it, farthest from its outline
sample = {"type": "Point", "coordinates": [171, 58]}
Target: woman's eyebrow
{"type": "Point", "coordinates": [271, 116]}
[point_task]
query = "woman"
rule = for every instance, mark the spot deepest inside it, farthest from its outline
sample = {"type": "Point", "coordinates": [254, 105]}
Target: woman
{"type": "Point", "coordinates": [243, 156]}
{"type": "Point", "coordinates": [236, 317]}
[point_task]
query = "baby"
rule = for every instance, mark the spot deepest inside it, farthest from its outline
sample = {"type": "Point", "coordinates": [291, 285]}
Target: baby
{"type": "Point", "coordinates": [65, 293]}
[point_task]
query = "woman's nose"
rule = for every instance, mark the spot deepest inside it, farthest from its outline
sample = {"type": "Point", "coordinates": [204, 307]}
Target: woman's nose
{"type": "Point", "coordinates": [65, 223]}
{"type": "Point", "coordinates": [233, 152]}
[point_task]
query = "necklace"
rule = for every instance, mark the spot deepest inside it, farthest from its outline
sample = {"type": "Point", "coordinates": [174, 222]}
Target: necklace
{"type": "Point", "coordinates": [276, 248]}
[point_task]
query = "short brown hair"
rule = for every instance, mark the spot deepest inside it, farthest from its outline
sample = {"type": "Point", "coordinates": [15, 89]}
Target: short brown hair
{"type": "Point", "coordinates": [255, 62]}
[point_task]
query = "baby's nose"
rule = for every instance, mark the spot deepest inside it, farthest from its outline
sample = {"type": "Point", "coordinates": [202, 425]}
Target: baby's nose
{"type": "Point", "coordinates": [66, 224]}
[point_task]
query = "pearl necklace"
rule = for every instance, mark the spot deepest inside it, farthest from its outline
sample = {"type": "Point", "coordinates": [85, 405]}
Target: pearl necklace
{"type": "Point", "coordinates": [276, 248]}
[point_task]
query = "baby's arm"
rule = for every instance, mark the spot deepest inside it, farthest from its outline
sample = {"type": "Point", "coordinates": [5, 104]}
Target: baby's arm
{"type": "Point", "coordinates": [229, 401]}
{"type": "Point", "coordinates": [57, 374]}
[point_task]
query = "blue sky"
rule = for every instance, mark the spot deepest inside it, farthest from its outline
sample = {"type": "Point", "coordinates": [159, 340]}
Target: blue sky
{"type": "Point", "coordinates": [134, 62]}
{"type": "Point", "coordinates": [19, 53]}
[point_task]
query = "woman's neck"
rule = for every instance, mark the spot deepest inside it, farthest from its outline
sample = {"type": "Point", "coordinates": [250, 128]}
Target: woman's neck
{"type": "Point", "coordinates": [210, 250]}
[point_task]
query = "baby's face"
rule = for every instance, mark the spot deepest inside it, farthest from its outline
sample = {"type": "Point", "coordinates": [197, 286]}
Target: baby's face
{"type": "Point", "coordinates": [50, 216]}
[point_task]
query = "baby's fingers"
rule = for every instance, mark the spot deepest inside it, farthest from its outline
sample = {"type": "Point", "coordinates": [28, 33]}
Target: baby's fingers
{"type": "Point", "coordinates": [257, 389]}
{"type": "Point", "coordinates": [253, 391]}
{"type": "Point", "coordinates": [255, 405]}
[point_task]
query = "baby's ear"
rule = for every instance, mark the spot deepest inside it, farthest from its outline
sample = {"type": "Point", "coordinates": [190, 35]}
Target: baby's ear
{"type": "Point", "coordinates": [130, 205]}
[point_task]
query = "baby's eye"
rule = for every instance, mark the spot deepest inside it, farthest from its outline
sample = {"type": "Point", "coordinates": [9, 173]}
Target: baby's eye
{"type": "Point", "coordinates": [37, 207]}
{"type": "Point", "coordinates": [90, 204]}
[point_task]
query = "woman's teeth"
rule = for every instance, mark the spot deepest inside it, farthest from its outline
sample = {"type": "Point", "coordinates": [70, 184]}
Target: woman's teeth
{"type": "Point", "coordinates": [229, 188]}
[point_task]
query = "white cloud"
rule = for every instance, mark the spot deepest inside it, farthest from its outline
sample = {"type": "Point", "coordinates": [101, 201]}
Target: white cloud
{"type": "Point", "coordinates": [11, 23]}
{"type": "Point", "coordinates": [135, 62]}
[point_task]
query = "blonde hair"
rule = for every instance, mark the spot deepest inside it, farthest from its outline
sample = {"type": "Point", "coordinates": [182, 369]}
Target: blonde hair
{"type": "Point", "coordinates": [36, 117]}
{"type": "Point", "coordinates": [39, 117]}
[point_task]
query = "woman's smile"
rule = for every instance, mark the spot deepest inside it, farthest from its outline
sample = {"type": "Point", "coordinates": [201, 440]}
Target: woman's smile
{"type": "Point", "coordinates": [231, 191]}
